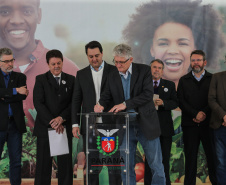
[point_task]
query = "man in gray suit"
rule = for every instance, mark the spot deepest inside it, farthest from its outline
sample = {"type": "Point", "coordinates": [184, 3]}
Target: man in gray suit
{"type": "Point", "coordinates": [217, 102]}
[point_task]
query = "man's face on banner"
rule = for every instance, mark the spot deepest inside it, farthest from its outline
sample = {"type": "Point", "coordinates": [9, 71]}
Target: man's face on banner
{"type": "Point", "coordinates": [18, 22]}
{"type": "Point", "coordinates": [173, 44]}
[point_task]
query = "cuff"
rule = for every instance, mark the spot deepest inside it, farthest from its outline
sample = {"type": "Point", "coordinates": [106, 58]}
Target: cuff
{"type": "Point", "coordinates": [14, 91]}
{"type": "Point", "coordinates": [75, 125]}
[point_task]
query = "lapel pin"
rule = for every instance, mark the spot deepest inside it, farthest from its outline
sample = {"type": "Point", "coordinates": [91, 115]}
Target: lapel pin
{"type": "Point", "coordinates": [166, 89]}
{"type": "Point", "coordinates": [162, 86]}
{"type": "Point", "coordinates": [63, 82]}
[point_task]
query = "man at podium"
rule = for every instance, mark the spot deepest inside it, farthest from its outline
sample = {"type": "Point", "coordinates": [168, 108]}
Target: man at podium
{"type": "Point", "coordinates": [130, 89]}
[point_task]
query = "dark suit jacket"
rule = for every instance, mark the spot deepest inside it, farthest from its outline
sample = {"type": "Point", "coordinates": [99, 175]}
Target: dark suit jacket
{"type": "Point", "coordinates": [217, 99]}
{"type": "Point", "coordinates": [84, 94]}
{"type": "Point", "coordinates": [193, 97]}
{"type": "Point", "coordinates": [15, 101]}
{"type": "Point", "coordinates": [141, 98]}
{"type": "Point", "coordinates": [167, 92]}
{"type": "Point", "coordinates": [52, 100]}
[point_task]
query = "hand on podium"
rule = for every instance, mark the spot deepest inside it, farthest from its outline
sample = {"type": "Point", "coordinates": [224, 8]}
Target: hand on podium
{"type": "Point", "coordinates": [98, 108]}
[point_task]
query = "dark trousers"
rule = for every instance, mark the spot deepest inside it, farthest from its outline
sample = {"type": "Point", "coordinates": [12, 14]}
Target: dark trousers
{"type": "Point", "coordinates": [220, 144]}
{"type": "Point", "coordinates": [192, 137]}
{"type": "Point", "coordinates": [44, 164]}
{"type": "Point", "coordinates": [14, 142]}
{"type": "Point", "coordinates": [166, 143]}
{"type": "Point", "coordinates": [93, 179]}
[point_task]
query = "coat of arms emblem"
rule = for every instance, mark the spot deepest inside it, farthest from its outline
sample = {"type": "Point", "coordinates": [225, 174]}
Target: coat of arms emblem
{"type": "Point", "coordinates": [109, 144]}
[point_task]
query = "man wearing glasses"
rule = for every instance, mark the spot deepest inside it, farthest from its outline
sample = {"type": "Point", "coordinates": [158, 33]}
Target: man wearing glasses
{"type": "Point", "coordinates": [131, 90]}
{"type": "Point", "coordinates": [12, 92]}
{"type": "Point", "coordinates": [193, 101]}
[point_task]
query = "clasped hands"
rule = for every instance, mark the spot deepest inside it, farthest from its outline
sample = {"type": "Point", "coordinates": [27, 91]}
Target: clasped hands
{"type": "Point", "coordinates": [201, 116]}
{"type": "Point", "coordinates": [56, 124]}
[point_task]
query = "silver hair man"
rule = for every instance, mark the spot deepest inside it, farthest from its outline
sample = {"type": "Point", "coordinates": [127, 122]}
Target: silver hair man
{"type": "Point", "coordinates": [122, 50]}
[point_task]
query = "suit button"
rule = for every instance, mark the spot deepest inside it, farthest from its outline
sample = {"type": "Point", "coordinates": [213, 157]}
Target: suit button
{"type": "Point", "coordinates": [59, 95]}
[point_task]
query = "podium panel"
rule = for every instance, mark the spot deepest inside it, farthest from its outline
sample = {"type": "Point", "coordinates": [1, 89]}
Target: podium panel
{"type": "Point", "coordinates": [104, 135]}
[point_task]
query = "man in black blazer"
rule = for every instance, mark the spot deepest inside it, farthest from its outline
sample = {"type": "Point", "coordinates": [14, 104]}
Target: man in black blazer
{"type": "Point", "coordinates": [12, 92]}
{"type": "Point", "coordinates": [193, 101]}
{"type": "Point", "coordinates": [166, 102]}
{"type": "Point", "coordinates": [131, 90]}
{"type": "Point", "coordinates": [52, 100]}
{"type": "Point", "coordinates": [89, 84]}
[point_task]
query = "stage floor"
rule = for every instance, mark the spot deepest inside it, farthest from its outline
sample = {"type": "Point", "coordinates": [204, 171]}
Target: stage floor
{"type": "Point", "coordinates": [76, 182]}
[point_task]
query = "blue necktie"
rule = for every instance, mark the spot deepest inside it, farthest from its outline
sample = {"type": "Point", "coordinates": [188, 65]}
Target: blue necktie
{"type": "Point", "coordinates": [57, 80]}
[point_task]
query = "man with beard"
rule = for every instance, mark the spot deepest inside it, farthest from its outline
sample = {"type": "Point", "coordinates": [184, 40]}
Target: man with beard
{"type": "Point", "coordinates": [12, 93]}
{"type": "Point", "coordinates": [193, 101]}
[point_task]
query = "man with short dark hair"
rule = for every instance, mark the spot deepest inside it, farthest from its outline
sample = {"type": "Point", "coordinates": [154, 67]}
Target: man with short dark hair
{"type": "Point", "coordinates": [89, 84]}
{"type": "Point", "coordinates": [166, 102]}
{"type": "Point", "coordinates": [52, 100]}
{"type": "Point", "coordinates": [12, 92]}
{"type": "Point", "coordinates": [18, 23]}
{"type": "Point", "coordinates": [130, 89]}
{"type": "Point", "coordinates": [193, 101]}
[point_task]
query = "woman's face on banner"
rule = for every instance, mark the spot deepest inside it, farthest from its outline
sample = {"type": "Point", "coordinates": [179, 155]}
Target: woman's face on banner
{"type": "Point", "coordinates": [173, 44]}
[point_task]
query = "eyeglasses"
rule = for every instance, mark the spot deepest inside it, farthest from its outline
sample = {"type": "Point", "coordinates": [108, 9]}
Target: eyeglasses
{"type": "Point", "coordinates": [8, 61]}
{"type": "Point", "coordinates": [198, 60]}
{"type": "Point", "coordinates": [120, 62]}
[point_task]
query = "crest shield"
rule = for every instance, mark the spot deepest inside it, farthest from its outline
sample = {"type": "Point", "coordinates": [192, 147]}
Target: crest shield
{"type": "Point", "coordinates": [108, 144]}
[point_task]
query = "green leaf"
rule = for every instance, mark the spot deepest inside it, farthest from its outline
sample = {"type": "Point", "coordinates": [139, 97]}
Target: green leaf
{"type": "Point", "coordinates": [177, 122]}
{"type": "Point", "coordinates": [174, 176]}
{"type": "Point", "coordinates": [173, 148]}
{"type": "Point", "coordinates": [203, 178]}
{"type": "Point", "coordinates": [140, 149]}
{"type": "Point", "coordinates": [176, 138]}
{"type": "Point", "coordinates": [177, 153]}
{"type": "Point", "coordinates": [74, 149]}
{"type": "Point", "coordinates": [33, 113]}
{"type": "Point", "coordinates": [4, 163]}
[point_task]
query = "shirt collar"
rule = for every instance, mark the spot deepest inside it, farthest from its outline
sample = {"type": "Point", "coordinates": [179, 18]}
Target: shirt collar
{"type": "Point", "coordinates": [198, 79]}
{"type": "Point", "coordinates": [57, 76]}
{"type": "Point", "coordinates": [127, 72]}
{"type": "Point", "coordinates": [4, 74]}
{"type": "Point", "coordinates": [101, 67]}
{"type": "Point", "coordinates": [156, 81]}
{"type": "Point", "coordinates": [38, 52]}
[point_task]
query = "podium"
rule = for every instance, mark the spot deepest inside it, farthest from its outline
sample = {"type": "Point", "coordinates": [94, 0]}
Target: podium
{"type": "Point", "coordinates": [104, 152]}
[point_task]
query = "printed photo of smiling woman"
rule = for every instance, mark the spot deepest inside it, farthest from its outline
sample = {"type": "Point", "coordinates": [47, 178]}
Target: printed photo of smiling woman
{"type": "Point", "coordinates": [171, 30]}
